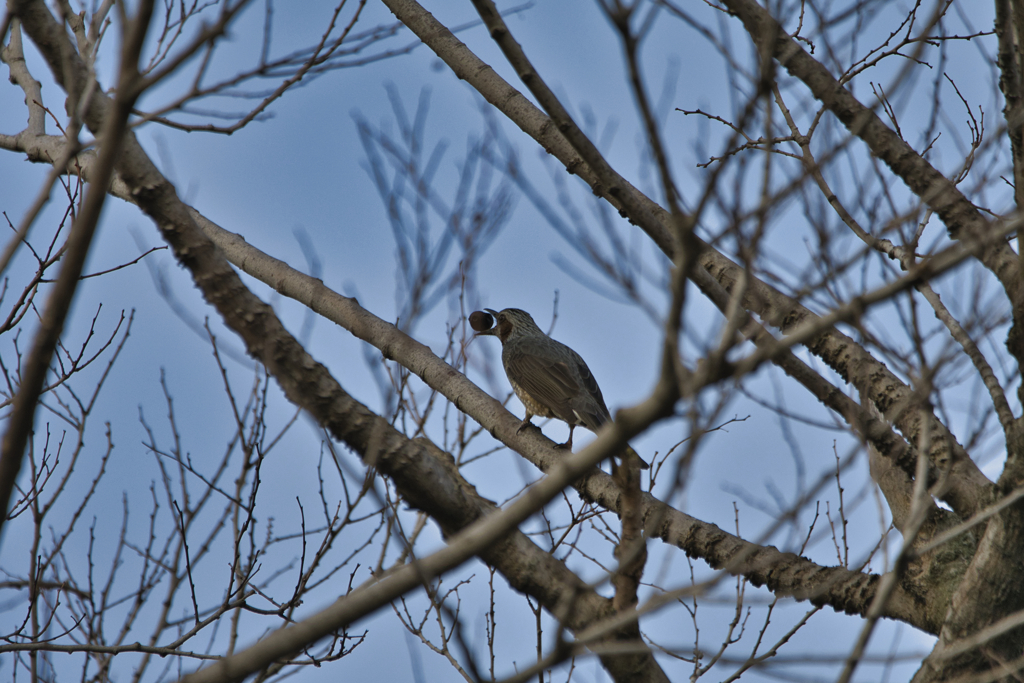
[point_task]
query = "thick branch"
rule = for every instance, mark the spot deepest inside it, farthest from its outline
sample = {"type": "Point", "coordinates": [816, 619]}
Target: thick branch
{"type": "Point", "coordinates": [989, 592]}
{"type": "Point", "coordinates": [1011, 82]}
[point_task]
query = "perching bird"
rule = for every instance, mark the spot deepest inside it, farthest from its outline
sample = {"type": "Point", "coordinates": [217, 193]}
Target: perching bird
{"type": "Point", "coordinates": [549, 378]}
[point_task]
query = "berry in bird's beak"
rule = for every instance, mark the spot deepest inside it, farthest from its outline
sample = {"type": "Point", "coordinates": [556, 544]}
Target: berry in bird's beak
{"type": "Point", "coordinates": [482, 323]}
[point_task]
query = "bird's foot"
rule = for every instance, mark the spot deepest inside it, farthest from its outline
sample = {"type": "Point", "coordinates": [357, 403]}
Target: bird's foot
{"type": "Point", "coordinates": [567, 446]}
{"type": "Point", "coordinates": [523, 425]}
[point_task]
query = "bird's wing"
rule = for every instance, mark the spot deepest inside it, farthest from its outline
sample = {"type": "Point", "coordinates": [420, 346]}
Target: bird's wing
{"type": "Point", "coordinates": [553, 382]}
{"type": "Point", "coordinates": [589, 407]}
{"type": "Point", "coordinates": [548, 381]}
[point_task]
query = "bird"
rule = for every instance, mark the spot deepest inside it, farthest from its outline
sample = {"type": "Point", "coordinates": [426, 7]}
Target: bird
{"type": "Point", "coordinates": [550, 379]}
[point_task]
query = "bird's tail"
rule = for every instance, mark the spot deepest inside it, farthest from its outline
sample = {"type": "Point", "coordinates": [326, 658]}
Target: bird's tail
{"type": "Point", "coordinates": [630, 453]}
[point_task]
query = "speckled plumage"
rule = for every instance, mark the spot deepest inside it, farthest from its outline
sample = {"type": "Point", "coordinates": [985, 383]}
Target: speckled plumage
{"type": "Point", "coordinates": [550, 379]}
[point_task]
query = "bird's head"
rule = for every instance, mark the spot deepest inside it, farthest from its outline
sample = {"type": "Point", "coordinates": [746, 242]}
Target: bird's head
{"type": "Point", "coordinates": [511, 323]}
